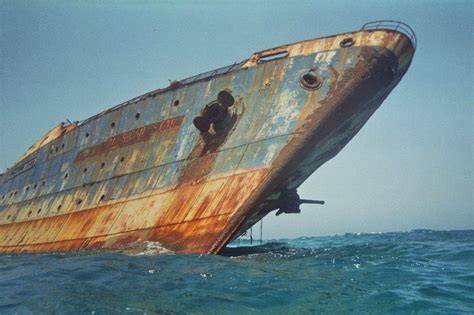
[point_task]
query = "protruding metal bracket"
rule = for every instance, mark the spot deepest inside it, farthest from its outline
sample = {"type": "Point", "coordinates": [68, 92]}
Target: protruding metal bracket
{"type": "Point", "coordinates": [290, 201]}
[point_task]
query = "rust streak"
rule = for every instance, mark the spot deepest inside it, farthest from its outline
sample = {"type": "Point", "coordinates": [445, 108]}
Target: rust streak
{"type": "Point", "coordinates": [130, 137]}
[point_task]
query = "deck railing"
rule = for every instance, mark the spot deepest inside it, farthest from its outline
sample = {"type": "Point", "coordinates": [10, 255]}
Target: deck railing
{"type": "Point", "coordinates": [392, 25]}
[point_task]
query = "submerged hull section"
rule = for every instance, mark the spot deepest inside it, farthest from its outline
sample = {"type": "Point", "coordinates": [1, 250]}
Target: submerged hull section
{"type": "Point", "coordinates": [148, 170]}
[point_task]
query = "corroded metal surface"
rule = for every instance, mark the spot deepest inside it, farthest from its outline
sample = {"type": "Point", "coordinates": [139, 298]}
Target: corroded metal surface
{"type": "Point", "coordinates": [130, 137]}
{"type": "Point", "coordinates": [142, 171]}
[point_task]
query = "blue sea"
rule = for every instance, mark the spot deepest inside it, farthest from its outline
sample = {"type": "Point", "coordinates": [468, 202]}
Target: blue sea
{"type": "Point", "coordinates": [421, 271]}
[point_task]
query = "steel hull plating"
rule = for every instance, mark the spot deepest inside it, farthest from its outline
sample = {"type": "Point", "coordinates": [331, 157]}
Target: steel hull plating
{"type": "Point", "coordinates": [142, 171]}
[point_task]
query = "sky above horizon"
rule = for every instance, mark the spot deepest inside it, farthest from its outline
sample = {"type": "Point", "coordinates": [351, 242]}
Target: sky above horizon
{"type": "Point", "coordinates": [410, 167]}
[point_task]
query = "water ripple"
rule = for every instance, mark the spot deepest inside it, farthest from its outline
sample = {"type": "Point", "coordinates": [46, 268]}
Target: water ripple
{"type": "Point", "coordinates": [420, 271]}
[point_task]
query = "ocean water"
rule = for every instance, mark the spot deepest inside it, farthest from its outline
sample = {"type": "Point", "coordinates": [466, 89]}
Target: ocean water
{"type": "Point", "coordinates": [422, 271]}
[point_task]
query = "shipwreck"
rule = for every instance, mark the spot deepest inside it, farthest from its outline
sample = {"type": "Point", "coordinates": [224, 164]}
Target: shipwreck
{"type": "Point", "coordinates": [194, 165]}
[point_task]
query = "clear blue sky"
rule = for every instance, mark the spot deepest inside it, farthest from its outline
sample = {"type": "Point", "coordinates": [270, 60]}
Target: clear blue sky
{"type": "Point", "coordinates": [410, 167]}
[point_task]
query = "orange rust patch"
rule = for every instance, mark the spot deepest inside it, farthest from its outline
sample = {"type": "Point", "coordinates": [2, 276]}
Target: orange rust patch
{"type": "Point", "coordinates": [191, 214]}
{"type": "Point", "coordinates": [88, 223]}
{"type": "Point", "coordinates": [198, 168]}
{"type": "Point", "coordinates": [116, 241]}
{"type": "Point", "coordinates": [195, 236]}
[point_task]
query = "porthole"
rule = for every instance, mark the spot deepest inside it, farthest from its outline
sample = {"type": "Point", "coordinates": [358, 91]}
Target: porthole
{"type": "Point", "coordinates": [346, 42]}
{"type": "Point", "coordinates": [176, 103]}
{"type": "Point", "coordinates": [51, 151]}
{"type": "Point", "coordinates": [102, 165]}
{"type": "Point", "coordinates": [39, 211]}
{"type": "Point", "coordinates": [87, 135]}
{"type": "Point", "coordinates": [66, 175]}
{"type": "Point", "coordinates": [78, 201]}
{"type": "Point", "coordinates": [310, 81]}
{"type": "Point", "coordinates": [34, 187]}
{"type": "Point", "coordinates": [59, 207]}
{"type": "Point", "coordinates": [9, 216]}
{"type": "Point", "coordinates": [112, 125]}
{"type": "Point", "coordinates": [27, 188]}
{"type": "Point", "coordinates": [43, 183]}
{"type": "Point", "coordinates": [137, 115]}
{"type": "Point", "coordinates": [15, 193]}
{"type": "Point", "coordinates": [85, 169]}
{"type": "Point", "coordinates": [3, 197]}
{"type": "Point", "coordinates": [29, 213]}
{"type": "Point", "coordinates": [102, 198]}
{"type": "Point", "coordinates": [62, 146]}
{"type": "Point", "coordinates": [122, 159]}
{"type": "Point", "coordinates": [57, 149]}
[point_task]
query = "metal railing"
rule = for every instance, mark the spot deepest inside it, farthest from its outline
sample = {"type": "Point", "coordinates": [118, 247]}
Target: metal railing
{"type": "Point", "coordinates": [392, 25]}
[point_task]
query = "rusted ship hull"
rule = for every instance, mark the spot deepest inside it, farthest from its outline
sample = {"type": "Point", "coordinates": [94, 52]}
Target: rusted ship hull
{"type": "Point", "coordinates": [151, 170]}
